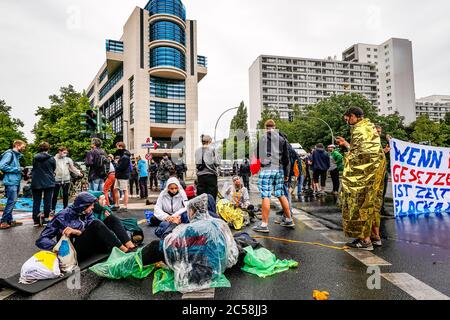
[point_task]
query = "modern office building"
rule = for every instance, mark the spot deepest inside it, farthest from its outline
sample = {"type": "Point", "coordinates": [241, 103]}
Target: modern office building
{"type": "Point", "coordinates": [394, 62]}
{"type": "Point", "coordinates": [435, 107]}
{"type": "Point", "coordinates": [279, 83]}
{"type": "Point", "coordinates": [148, 85]}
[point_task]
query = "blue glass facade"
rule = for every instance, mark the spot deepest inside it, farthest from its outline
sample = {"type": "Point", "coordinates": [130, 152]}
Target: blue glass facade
{"type": "Point", "coordinates": [202, 61]}
{"type": "Point", "coordinates": [168, 89]}
{"type": "Point", "coordinates": [166, 30]}
{"type": "Point", "coordinates": [173, 7]}
{"type": "Point", "coordinates": [167, 56]}
{"type": "Point", "coordinates": [115, 78]}
{"type": "Point", "coordinates": [114, 46]}
{"type": "Point", "coordinates": [170, 113]}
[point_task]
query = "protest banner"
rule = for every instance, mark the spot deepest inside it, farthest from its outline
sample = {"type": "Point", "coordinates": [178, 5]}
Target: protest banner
{"type": "Point", "coordinates": [420, 179]}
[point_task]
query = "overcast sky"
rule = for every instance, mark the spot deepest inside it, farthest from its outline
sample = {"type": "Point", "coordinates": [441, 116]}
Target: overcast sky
{"type": "Point", "coordinates": [47, 44]}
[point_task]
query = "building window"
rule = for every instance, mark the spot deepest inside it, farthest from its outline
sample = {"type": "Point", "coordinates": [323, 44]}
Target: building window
{"type": "Point", "coordinates": [114, 46]}
{"type": "Point", "coordinates": [131, 88]}
{"type": "Point", "coordinates": [167, 30]}
{"type": "Point", "coordinates": [90, 92]}
{"type": "Point", "coordinates": [166, 56]}
{"type": "Point", "coordinates": [115, 78]}
{"type": "Point", "coordinates": [170, 113]}
{"type": "Point", "coordinates": [172, 7]}
{"type": "Point", "coordinates": [132, 113]}
{"type": "Point", "coordinates": [168, 89]}
{"type": "Point", "coordinates": [103, 75]}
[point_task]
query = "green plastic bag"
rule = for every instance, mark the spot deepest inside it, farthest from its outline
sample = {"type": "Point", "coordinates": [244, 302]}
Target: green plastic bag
{"type": "Point", "coordinates": [264, 263]}
{"type": "Point", "coordinates": [122, 265]}
{"type": "Point", "coordinates": [164, 281]}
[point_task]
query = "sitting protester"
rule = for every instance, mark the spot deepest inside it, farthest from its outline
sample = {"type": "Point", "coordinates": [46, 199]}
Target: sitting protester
{"type": "Point", "coordinates": [238, 195]}
{"type": "Point", "coordinates": [89, 235]}
{"type": "Point", "coordinates": [170, 208]}
{"type": "Point", "coordinates": [235, 208]}
{"type": "Point", "coordinates": [198, 252]}
{"type": "Point", "coordinates": [104, 213]}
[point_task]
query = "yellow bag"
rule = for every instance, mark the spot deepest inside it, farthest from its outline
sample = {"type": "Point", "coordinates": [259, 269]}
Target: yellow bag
{"type": "Point", "coordinates": [231, 215]}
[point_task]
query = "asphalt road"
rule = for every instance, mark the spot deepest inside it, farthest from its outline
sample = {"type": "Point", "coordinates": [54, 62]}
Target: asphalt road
{"type": "Point", "coordinates": [419, 268]}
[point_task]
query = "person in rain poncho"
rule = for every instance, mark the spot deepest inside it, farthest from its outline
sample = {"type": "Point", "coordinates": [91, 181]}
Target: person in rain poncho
{"type": "Point", "coordinates": [170, 209]}
{"type": "Point", "coordinates": [362, 184]}
{"type": "Point", "coordinates": [236, 208]}
{"type": "Point", "coordinates": [198, 252]}
{"type": "Point", "coordinates": [89, 235]}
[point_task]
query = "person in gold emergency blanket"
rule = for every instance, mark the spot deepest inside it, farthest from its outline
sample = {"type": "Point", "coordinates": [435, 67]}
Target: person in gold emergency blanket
{"type": "Point", "coordinates": [363, 182]}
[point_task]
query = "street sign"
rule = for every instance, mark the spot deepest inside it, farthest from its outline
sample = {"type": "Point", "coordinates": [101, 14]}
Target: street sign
{"type": "Point", "coordinates": [149, 140]}
{"type": "Point", "coordinates": [148, 157]}
{"type": "Point", "coordinates": [147, 146]}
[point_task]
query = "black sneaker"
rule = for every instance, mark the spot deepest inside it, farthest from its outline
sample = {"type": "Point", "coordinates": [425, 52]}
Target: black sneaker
{"type": "Point", "coordinates": [360, 244]}
{"type": "Point", "coordinates": [288, 224]}
{"type": "Point", "coordinates": [114, 208]}
{"type": "Point", "coordinates": [280, 213]}
{"type": "Point", "coordinates": [261, 229]}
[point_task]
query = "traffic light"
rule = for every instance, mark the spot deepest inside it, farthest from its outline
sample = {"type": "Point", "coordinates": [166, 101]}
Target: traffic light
{"type": "Point", "coordinates": [89, 122]}
{"type": "Point", "coordinates": [102, 126]}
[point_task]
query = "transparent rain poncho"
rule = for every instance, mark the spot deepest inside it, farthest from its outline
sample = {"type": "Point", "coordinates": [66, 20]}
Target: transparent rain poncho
{"type": "Point", "coordinates": [201, 251]}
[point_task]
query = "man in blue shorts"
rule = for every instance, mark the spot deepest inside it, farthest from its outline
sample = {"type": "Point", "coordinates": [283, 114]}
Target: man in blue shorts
{"type": "Point", "coordinates": [272, 151]}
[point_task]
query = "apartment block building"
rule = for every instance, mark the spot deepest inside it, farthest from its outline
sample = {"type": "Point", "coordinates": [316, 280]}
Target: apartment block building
{"type": "Point", "coordinates": [279, 83]}
{"type": "Point", "coordinates": [435, 107]}
{"type": "Point", "coordinates": [148, 85]}
{"type": "Point", "coordinates": [395, 69]}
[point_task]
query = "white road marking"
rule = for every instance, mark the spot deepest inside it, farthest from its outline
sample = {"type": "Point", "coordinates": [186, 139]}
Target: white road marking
{"type": "Point", "coordinates": [335, 237]}
{"type": "Point", "coordinates": [200, 295]}
{"type": "Point", "coordinates": [5, 293]}
{"type": "Point", "coordinates": [368, 258]}
{"type": "Point", "coordinates": [414, 287]}
{"type": "Point", "coordinates": [316, 226]}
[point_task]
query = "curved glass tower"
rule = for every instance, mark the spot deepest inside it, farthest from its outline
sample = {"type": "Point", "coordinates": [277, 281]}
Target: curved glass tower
{"type": "Point", "coordinates": [148, 86]}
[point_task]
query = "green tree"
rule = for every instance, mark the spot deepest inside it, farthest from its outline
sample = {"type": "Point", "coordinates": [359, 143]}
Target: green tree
{"type": "Point", "coordinates": [307, 128]}
{"type": "Point", "coordinates": [11, 130]}
{"type": "Point", "coordinates": [238, 140]}
{"type": "Point", "coordinates": [60, 125]}
{"type": "Point", "coordinates": [423, 129]}
{"type": "Point", "coordinates": [268, 114]}
{"type": "Point", "coordinates": [239, 121]}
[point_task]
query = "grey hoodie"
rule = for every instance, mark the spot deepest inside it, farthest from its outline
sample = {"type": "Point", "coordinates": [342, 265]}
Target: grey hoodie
{"type": "Point", "coordinates": [171, 206]}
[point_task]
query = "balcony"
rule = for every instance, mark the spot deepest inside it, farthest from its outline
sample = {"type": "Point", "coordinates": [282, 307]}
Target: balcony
{"type": "Point", "coordinates": [114, 46]}
{"type": "Point", "coordinates": [202, 63]}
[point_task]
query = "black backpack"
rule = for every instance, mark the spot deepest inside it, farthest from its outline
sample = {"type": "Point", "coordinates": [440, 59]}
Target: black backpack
{"type": "Point", "coordinates": [103, 165]}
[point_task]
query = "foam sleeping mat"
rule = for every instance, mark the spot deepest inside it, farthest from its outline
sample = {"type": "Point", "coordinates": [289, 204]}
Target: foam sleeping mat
{"type": "Point", "coordinates": [13, 282]}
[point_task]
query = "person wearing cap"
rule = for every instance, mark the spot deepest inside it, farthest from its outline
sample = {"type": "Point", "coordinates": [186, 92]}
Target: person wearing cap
{"type": "Point", "coordinates": [207, 164]}
{"type": "Point", "coordinates": [336, 167]}
{"type": "Point", "coordinates": [88, 235]}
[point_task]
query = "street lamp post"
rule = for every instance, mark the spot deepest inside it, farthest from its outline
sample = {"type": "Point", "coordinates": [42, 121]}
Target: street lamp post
{"type": "Point", "coordinates": [329, 127]}
{"type": "Point", "coordinates": [217, 123]}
